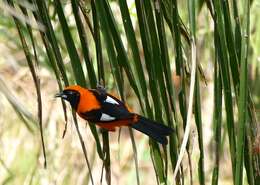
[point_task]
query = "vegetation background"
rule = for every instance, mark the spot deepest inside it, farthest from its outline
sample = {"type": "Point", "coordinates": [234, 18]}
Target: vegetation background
{"type": "Point", "coordinates": [193, 65]}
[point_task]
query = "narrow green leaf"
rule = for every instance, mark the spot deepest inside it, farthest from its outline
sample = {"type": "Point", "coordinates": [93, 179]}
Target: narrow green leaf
{"type": "Point", "coordinates": [223, 62]}
{"type": "Point", "coordinates": [75, 61]}
{"type": "Point", "coordinates": [248, 158]}
{"type": "Point", "coordinates": [242, 104]}
{"type": "Point", "coordinates": [147, 53]}
{"type": "Point", "coordinates": [121, 53]}
{"type": "Point", "coordinates": [43, 17]}
{"type": "Point", "coordinates": [165, 56]}
{"type": "Point", "coordinates": [217, 121]}
{"type": "Point", "coordinates": [233, 57]}
{"type": "Point", "coordinates": [102, 17]}
{"type": "Point", "coordinates": [179, 62]}
{"type": "Point", "coordinates": [100, 62]}
{"type": "Point", "coordinates": [158, 162]}
{"type": "Point", "coordinates": [130, 34]}
{"type": "Point", "coordinates": [197, 101]}
{"type": "Point", "coordinates": [237, 30]}
{"type": "Point", "coordinates": [152, 60]}
{"type": "Point", "coordinates": [198, 121]}
{"type": "Point", "coordinates": [156, 73]}
{"type": "Point", "coordinates": [50, 54]}
{"type": "Point", "coordinates": [84, 43]}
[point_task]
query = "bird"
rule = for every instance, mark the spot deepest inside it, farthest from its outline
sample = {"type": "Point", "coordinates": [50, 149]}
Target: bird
{"type": "Point", "coordinates": [108, 112]}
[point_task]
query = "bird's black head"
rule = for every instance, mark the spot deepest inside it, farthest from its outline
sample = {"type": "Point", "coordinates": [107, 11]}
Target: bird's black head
{"type": "Point", "coordinates": [70, 95]}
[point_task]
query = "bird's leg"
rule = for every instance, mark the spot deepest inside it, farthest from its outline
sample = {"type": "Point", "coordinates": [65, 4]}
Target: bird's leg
{"type": "Point", "coordinates": [101, 90]}
{"type": "Point", "coordinates": [104, 127]}
{"type": "Point", "coordinates": [103, 130]}
{"type": "Point", "coordinates": [100, 86]}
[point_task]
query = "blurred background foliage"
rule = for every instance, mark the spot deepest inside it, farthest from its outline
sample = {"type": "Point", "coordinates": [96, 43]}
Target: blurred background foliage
{"type": "Point", "coordinates": [142, 52]}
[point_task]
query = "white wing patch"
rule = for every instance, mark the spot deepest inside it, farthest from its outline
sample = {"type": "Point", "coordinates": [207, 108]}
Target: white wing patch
{"type": "Point", "coordinates": [111, 100]}
{"type": "Point", "coordinates": [106, 117]}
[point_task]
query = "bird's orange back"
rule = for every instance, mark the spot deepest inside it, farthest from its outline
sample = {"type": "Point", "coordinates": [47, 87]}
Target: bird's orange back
{"type": "Point", "coordinates": [87, 100]}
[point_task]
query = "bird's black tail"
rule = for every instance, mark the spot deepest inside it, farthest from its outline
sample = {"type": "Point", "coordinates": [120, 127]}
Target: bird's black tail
{"type": "Point", "coordinates": [155, 130]}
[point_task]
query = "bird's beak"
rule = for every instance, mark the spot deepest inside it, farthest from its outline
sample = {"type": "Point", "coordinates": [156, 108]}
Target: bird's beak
{"type": "Point", "coordinates": [60, 95]}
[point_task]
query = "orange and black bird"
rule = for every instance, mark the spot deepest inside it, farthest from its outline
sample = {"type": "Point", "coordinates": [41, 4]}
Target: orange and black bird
{"type": "Point", "coordinates": [108, 112]}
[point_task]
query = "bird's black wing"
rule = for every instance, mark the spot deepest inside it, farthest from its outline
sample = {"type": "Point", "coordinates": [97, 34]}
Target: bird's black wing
{"type": "Point", "coordinates": [112, 109]}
